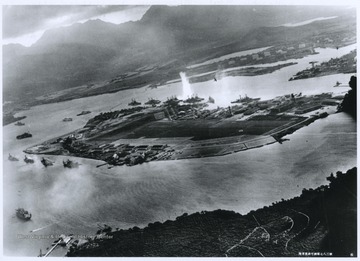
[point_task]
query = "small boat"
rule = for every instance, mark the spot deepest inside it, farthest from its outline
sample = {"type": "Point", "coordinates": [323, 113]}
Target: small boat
{"type": "Point", "coordinates": [19, 123]}
{"type": "Point", "coordinates": [23, 214]}
{"type": "Point", "coordinates": [337, 84]}
{"type": "Point", "coordinates": [83, 113]}
{"type": "Point", "coordinates": [12, 158]}
{"type": "Point", "coordinates": [70, 164]}
{"type": "Point", "coordinates": [24, 135]}
{"type": "Point", "coordinates": [28, 160]}
{"type": "Point", "coordinates": [46, 162]}
{"type": "Point", "coordinates": [134, 103]}
{"type": "Point", "coordinates": [67, 119]}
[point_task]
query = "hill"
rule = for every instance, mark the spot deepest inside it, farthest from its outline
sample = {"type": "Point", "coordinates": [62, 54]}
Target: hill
{"type": "Point", "coordinates": [95, 51]}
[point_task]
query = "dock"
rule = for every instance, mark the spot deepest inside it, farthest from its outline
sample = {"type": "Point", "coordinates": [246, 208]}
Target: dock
{"type": "Point", "coordinates": [62, 239]}
{"type": "Point", "coordinates": [53, 248]}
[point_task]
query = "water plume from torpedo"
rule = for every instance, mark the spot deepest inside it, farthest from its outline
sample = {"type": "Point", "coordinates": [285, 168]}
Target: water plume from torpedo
{"type": "Point", "coordinates": [41, 228]}
{"type": "Point", "coordinates": [186, 87]}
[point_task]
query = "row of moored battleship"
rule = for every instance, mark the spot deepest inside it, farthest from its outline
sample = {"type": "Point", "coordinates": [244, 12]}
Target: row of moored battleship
{"type": "Point", "coordinates": [46, 162]}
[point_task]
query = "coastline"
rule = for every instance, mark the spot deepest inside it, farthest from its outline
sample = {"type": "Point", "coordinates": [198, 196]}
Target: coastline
{"type": "Point", "coordinates": [195, 149]}
{"type": "Point", "coordinates": [309, 223]}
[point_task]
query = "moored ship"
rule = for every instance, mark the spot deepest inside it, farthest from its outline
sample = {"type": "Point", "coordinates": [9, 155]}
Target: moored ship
{"type": "Point", "coordinates": [70, 164]}
{"type": "Point", "coordinates": [211, 100]}
{"type": "Point", "coordinates": [12, 158]}
{"type": "Point", "coordinates": [24, 135]}
{"type": "Point", "coordinates": [193, 99]}
{"type": "Point", "coordinates": [134, 103]}
{"type": "Point", "coordinates": [83, 113]}
{"type": "Point", "coordinates": [245, 99]}
{"type": "Point", "coordinates": [19, 123]}
{"type": "Point", "coordinates": [23, 214]}
{"type": "Point", "coordinates": [152, 102]}
{"type": "Point", "coordinates": [46, 162]}
{"type": "Point", "coordinates": [28, 160]}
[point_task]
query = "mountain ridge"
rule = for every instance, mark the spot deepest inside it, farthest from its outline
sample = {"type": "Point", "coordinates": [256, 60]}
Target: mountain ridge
{"type": "Point", "coordinates": [98, 50]}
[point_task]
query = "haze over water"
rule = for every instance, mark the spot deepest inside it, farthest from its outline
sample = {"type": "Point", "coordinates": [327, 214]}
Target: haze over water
{"type": "Point", "coordinates": [65, 201]}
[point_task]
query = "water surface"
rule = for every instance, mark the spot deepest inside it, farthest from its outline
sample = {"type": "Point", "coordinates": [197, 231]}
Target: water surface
{"type": "Point", "coordinates": [65, 201]}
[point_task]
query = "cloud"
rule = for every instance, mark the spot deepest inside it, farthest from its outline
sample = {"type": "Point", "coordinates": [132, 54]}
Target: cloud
{"type": "Point", "coordinates": [26, 19]}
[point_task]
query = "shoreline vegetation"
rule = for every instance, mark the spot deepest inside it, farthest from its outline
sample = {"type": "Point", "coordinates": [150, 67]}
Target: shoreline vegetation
{"type": "Point", "coordinates": [249, 71]}
{"type": "Point", "coordinates": [170, 73]}
{"type": "Point", "coordinates": [319, 222]}
{"type": "Point", "coordinates": [344, 64]}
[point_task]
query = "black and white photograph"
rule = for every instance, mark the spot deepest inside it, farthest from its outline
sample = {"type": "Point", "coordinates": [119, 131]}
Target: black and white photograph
{"type": "Point", "coordinates": [179, 129]}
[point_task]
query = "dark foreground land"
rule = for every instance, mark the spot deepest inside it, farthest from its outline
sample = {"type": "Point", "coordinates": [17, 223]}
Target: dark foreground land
{"type": "Point", "coordinates": [348, 105]}
{"type": "Point", "coordinates": [320, 222]}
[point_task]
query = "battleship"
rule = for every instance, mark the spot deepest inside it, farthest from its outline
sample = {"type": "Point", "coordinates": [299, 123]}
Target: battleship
{"type": "Point", "coordinates": [23, 214]}
{"type": "Point", "coordinates": [152, 102]}
{"type": "Point", "coordinates": [172, 101]}
{"type": "Point", "coordinates": [12, 158]}
{"type": "Point", "coordinates": [193, 99]}
{"type": "Point", "coordinates": [245, 99]}
{"type": "Point", "coordinates": [24, 136]}
{"type": "Point", "coordinates": [70, 164]}
{"type": "Point", "coordinates": [134, 103]}
{"type": "Point", "coordinates": [46, 162]}
{"type": "Point", "coordinates": [28, 160]}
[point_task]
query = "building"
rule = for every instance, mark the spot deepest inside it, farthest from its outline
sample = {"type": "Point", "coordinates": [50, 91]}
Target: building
{"type": "Point", "coordinates": [302, 45]}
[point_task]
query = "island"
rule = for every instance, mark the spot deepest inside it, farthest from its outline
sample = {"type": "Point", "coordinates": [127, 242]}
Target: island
{"type": "Point", "coordinates": [181, 129]}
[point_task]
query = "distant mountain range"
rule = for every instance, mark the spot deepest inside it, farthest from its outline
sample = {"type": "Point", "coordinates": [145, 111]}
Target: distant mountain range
{"type": "Point", "coordinates": [95, 50]}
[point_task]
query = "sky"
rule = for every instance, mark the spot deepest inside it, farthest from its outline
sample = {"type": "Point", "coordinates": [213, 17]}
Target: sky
{"type": "Point", "coordinates": [25, 24]}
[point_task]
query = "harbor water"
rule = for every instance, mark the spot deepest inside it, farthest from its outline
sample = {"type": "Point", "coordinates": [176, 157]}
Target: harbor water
{"type": "Point", "coordinates": [77, 201]}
